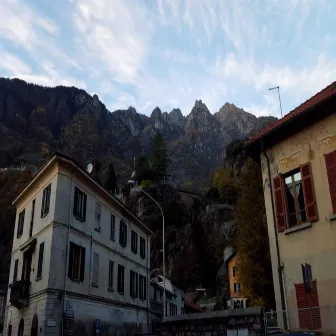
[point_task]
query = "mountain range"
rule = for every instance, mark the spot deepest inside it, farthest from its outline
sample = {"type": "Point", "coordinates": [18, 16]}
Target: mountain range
{"type": "Point", "coordinates": [36, 121]}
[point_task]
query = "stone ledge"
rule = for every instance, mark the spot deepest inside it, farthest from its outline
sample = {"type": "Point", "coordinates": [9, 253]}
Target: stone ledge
{"type": "Point", "coordinates": [298, 228]}
{"type": "Point", "coordinates": [332, 217]}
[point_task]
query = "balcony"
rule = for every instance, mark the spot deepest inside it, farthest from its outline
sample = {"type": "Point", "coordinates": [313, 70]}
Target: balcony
{"type": "Point", "coordinates": [19, 294]}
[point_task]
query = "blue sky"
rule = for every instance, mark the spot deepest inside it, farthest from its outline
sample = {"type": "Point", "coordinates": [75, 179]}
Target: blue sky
{"type": "Point", "coordinates": [168, 53]}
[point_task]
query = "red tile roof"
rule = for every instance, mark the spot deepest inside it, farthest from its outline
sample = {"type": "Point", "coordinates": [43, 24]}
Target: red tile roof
{"type": "Point", "coordinates": [193, 305]}
{"type": "Point", "coordinates": [319, 97]}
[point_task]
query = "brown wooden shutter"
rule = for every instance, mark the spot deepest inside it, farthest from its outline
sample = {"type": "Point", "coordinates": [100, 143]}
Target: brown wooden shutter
{"type": "Point", "coordinates": [71, 253]}
{"type": "Point", "coordinates": [309, 192]}
{"type": "Point", "coordinates": [75, 205]}
{"type": "Point", "coordinates": [84, 207]}
{"type": "Point", "coordinates": [40, 261]}
{"type": "Point", "coordinates": [280, 208]}
{"type": "Point", "coordinates": [82, 266]}
{"type": "Point", "coordinates": [330, 160]}
{"type": "Point", "coordinates": [308, 304]}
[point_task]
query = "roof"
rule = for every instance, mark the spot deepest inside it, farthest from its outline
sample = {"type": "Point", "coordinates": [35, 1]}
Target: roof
{"type": "Point", "coordinates": [305, 107]}
{"type": "Point", "coordinates": [216, 314]}
{"type": "Point", "coordinates": [192, 306]}
{"type": "Point", "coordinates": [61, 157]}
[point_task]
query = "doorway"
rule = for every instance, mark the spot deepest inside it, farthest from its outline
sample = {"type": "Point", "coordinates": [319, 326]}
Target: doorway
{"type": "Point", "coordinates": [34, 327]}
{"type": "Point", "coordinates": [21, 328]}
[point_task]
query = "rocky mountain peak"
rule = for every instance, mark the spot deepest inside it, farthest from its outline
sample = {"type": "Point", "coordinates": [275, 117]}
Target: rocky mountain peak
{"type": "Point", "coordinates": [131, 109]}
{"type": "Point", "coordinates": [200, 118]}
{"type": "Point", "coordinates": [176, 117]}
{"type": "Point", "coordinates": [200, 107]}
{"type": "Point", "coordinates": [157, 119]}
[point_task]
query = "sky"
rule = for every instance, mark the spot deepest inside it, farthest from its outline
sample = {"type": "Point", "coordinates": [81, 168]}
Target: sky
{"type": "Point", "coordinates": [168, 53]}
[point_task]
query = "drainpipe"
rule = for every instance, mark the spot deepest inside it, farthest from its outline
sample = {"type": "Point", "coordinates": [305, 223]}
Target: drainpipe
{"type": "Point", "coordinates": [285, 292]}
{"type": "Point", "coordinates": [67, 248]}
{"type": "Point", "coordinates": [148, 284]}
{"type": "Point", "coordinates": [90, 269]}
{"type": "Point", "coordinates": [282, 296]}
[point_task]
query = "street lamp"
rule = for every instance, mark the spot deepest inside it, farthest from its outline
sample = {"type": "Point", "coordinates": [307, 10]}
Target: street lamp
{"type": "Point", "coordinates": [277, 88]}
{"type": "Point", "coordinates": [132, 183]}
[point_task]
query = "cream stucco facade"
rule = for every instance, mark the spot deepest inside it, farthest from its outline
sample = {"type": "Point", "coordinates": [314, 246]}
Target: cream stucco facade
{"type": "Point", "coordinates": [54, 292]}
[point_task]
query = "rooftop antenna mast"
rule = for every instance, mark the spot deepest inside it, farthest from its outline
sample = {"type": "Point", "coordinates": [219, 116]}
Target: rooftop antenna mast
{"type": "Point", "coordinates": [277, 88]}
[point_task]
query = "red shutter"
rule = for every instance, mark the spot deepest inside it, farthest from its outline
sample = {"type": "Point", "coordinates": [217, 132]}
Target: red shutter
{"type": "Point", "coordinates": [308, 307]}
{"type": "Point", "coordinates": [280, 208]}
{"type": "Point", "coordinates": [330, 159]}
{"type": "Point", "coordinates": [309, 192]}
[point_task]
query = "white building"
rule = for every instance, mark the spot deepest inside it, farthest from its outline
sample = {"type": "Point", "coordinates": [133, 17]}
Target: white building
{"type": "Point", "coordinates": [80, 260]}
{"type": "Point", "coordinates": [174, 299]}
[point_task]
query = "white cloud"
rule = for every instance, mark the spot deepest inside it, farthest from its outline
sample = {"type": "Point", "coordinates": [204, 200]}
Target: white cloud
{"type": "Point", "coordinates": [49, 26]}
{"type": "Point", "coordinates": [306, 79]}
{"type": "Point", "coordinates": [13, 65]}
{"type": "Point", "coordinates": [113, 40]}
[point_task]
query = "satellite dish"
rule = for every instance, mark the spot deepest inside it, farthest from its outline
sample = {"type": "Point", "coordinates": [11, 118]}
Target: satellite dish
{"type": "Point", "coordinates": [89, 167]}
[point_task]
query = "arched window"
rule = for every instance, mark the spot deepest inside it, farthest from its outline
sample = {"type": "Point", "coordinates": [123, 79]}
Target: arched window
{"type": "Point", "coordinates": [21, 328]}
{"type": "Point", "coordinates": [34, 327]}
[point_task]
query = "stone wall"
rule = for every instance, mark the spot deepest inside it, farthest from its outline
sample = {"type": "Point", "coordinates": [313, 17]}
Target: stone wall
{"type": "Point", "coordinates": [214, 323]}
{"type": "Point", "coordinates": [98, 319]}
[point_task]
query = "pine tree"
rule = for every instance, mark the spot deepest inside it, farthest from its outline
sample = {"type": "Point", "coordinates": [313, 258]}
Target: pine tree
{"type": "Point", "coordinates": [159, 158]}
{"type": "Point", "coordinates": [111, 183]}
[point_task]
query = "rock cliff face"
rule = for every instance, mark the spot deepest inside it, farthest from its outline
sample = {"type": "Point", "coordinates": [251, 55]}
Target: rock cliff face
{"type": "Point", "coordinates": [36, 121]}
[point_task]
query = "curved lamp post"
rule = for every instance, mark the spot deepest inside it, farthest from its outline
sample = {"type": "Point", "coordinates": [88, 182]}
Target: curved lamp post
{"type": "Point", "coordinates": [132, 183]}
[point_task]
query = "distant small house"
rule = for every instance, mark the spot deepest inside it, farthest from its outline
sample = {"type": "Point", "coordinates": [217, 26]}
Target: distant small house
{"type": "Point", "coordinates": [174, 299]}
{"type": "Point", "coordinates": [237, 300]}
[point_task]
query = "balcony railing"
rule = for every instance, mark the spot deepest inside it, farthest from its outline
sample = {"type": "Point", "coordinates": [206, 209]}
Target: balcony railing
{"type": "Point", "coordinates": [156, 307]}
{"type": "Point", "coordinates": [19, 294]}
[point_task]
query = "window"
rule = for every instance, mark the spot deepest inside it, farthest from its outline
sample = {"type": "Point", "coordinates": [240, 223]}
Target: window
{"type": "Point", "coordinates": [121, 273]}
{"type": "Point", "coordinates": [110, 281]}
{"type": "Point", "coordinates": [45, 201]}
{"type": "Point", "coordinates": [9, 331]}
{"type": "Point", "coordinates": [330, 160]}
{"type": "Point", "coordinates": [95, 269]}
{"type": "Point", "coordinates": [134, 241]}
{"type": "Point", "coordinates": [20, 223]}
{"type": "Point", "coordinates": [123, 234]}
{"type": "Point", "coordinates": [112, 227]}
{"type": "Point", "coordinates": [98, 216]}
{"type": "Point", "coordinates": [142, 287]}
{"type": "Point", "coordinates": [142, 247]}
{"type": "Point", "coordinates": [79, 209]}
{"type": "Point", "coordinates": [234, 271]}
{"type": "Point", "coordinates": [182, 310]}
{"type": "Point", "coordinates": [76, 262]}
{"type": "Point", "coordinates": [237, 287]}
{"type": "Point", "coordinates": [295, 198]}
{"type": "Point", "coordinates": [172, 309]}
{"type": "Point", "coordinates": [16, 266]}
{"type": "Point", "coordinates": [32, 219]}
{"type": "Point", "coordinates": [133, 284]}
{"type": "Point", "coordinates": [40, 261]}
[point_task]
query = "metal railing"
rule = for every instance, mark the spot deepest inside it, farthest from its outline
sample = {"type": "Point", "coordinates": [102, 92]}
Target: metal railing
{"type": "Point", "coordinates": [313, 318]}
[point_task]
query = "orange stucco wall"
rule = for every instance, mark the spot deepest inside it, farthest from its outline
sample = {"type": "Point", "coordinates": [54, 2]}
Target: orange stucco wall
{"type": "Point", "coordinates": [233, 279]}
